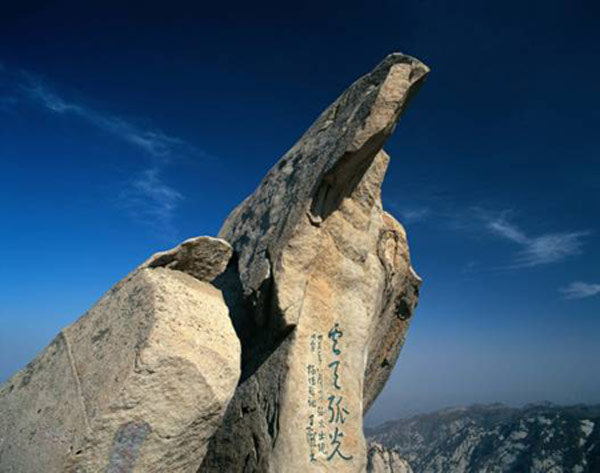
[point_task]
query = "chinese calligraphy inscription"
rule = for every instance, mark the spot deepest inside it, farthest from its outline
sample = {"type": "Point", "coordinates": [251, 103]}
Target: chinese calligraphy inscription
{"type": "Point", "coordinates": [327, 406]}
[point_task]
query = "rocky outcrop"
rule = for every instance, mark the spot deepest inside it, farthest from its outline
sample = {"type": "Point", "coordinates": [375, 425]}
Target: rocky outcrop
{"type": "Point", "coordinates": [310, 273]}
{"type": "Point", "coordinates": [139, 383]}
{"type": "Point", "coordinates": [328, 285]}
{"type": "Point", "coordinates": [383, 460]}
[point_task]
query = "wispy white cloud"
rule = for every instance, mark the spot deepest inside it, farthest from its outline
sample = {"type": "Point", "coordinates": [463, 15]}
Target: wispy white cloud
{"type": "Point", "coordinates": [409, 213]}
{"type": "Point", "coordinates": [541, 249]}
{"type": "Point", "coordinates": [154, 142]}
{"type": "Point", "coordinates": [580, 290]}
{"type": "Point", "coordinates": [414, 214]}
{"type": "Point", "coordinates": [507, 230]}
{"type": "Point", "coordinates": [147, 196]}
{"type": "Point", "coordinates": [152, 202]}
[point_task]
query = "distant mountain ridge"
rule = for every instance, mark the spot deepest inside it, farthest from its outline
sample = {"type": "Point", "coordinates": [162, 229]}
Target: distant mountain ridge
{"type": "Point", "coordinates": [540, 437]}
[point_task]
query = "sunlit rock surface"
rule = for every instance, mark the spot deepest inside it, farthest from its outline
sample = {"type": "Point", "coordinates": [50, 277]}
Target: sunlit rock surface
{"type": "Point", "coordinates": [329, 289]}
{"type": "Point", "coordinates": [139, 383]}
{"type": "Point", "coordinates": [384, 460]}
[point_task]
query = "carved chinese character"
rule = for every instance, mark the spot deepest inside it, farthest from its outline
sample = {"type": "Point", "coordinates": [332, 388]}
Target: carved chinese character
{"type": "Point", "coordinates": [335, 334]}
{"type": "Point", "coordinates": [336, 414]}
{"type": "Point", "coordinates": [336, 443]}
{"type": "Point", "coordinates": [335, 365]}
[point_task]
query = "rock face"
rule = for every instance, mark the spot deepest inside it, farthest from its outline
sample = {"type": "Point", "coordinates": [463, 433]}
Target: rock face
{"type": "Point", "coordinates": [322, 287]}
{"type": "Point", "coordinates": [139, 383]}
{"type": "Point", "coordinates": [383, 460]}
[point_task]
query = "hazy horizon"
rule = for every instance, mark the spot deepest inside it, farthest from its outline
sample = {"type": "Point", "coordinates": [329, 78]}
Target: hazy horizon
{"type": "Point", "coordinates": [125, 132]}
{"type": "Point", "coordinates": [371, 422]}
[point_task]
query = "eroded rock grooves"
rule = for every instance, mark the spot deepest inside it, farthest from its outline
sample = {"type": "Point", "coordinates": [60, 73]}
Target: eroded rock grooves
{"type": "Point", "coordinates": [309, 276]}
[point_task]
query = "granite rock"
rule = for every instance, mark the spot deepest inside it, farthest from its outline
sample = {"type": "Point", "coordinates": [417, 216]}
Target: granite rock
{"type": "Point", "coordinates": [323, 289]}
{"type": "Point", "coordinates": [384, 460]}
{"type": "Point", "coordinates": [139, 383]}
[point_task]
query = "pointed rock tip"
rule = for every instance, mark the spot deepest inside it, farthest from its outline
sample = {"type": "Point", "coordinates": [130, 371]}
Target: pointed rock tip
{"type": "Point", "coordinates": [420, 69]}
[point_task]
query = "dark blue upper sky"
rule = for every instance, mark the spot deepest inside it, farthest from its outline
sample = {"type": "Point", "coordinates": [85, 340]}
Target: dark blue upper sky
{"type": "Point", "coordinates": [125, 129]}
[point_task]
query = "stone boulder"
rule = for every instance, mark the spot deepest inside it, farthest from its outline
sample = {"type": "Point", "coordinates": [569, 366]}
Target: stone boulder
{"type": "Point", "coordinates": [139, 383]}
{"type": "Point", "coordinates": [321, 289]}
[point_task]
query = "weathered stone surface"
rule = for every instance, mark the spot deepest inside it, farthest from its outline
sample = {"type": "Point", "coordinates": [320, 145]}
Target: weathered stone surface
{"type": "Point", "coordinates": [139, 383]}
{"type": "Point", "coordinates": [384, 460]}
{"type": "Point", "coordinates": [318, 172]}
{"type": "Point", "coordinates": [323, 291]}
{"type": "Point", "coordinates": [204, 257]}
{"type": "Point", "coordinates": [400, 295]}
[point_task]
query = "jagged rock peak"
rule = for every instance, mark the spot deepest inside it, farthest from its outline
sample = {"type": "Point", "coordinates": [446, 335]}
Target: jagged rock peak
{"type": "Point", "coordinates": [319, 170]}
{"type": "Point", "coordinates": [324, 292]}
{"type": "Point", "coordinates": [384, 460]}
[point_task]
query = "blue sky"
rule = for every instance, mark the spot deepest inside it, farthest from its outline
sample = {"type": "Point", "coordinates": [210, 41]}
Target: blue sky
{"type": "Point", "coordinates": [125, 129]}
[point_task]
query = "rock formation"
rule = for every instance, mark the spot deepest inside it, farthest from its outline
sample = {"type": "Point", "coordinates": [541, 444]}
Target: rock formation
{"type": "Point", "coordinates": [383, 460]}
{"type": "Point", "coordinates": [329, 285]}
{"type": "Point", "coordinates": [311, 273]}
{"type": "Point", "coordinates": [141, 380]}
